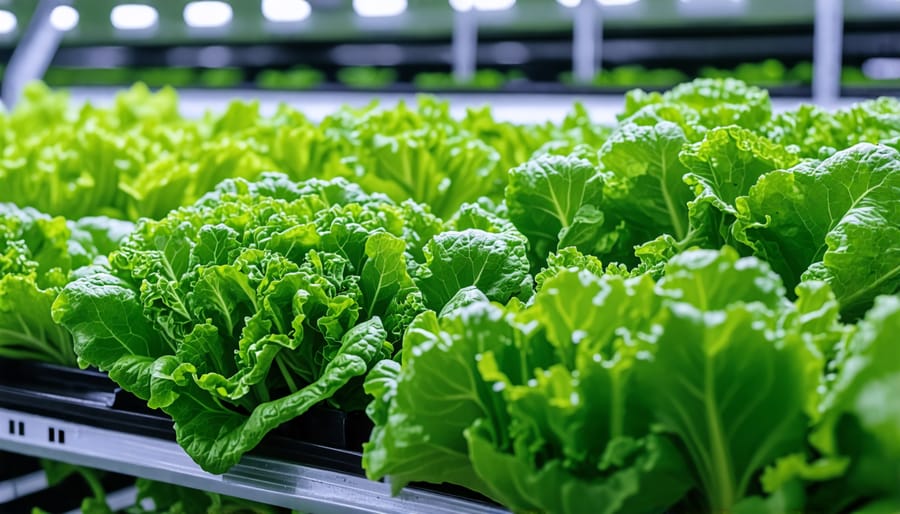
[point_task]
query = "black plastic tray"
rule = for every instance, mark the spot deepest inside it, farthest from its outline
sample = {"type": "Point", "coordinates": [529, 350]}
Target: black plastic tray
{"type": "Point", "coordinates": [322, 437]}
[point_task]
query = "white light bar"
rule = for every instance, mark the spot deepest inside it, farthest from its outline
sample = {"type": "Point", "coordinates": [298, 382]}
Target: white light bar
{"type": "Point", "coordinates": [8, 22]}
{"type": "Point", "coordinates": [286, 11]}
{"type": "Point", "coordinates": [379, 8]}
{"type": "Point", "coordinates": [482, 5]}
{"type": "Point", "coordinates": [207, 14]}
{"type": "Point", "coordinates": [133, 17]}
{"type": "Point", "coordinates": [64, 18]}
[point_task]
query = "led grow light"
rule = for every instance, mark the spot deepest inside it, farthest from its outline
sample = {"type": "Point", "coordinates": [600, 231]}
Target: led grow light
{"type": "Point", "coordinates": [207, 14]}
{"type": "Point", "coordinates": [8, 22]}
{"type": "Point", "coordinates": [64, 18]}
{"type": "Point", "coordinates": [379, 8]}
{"type": "Point", "coordinates": [286, 11]}
{"type": "Point", "coordinates": [133, 17]}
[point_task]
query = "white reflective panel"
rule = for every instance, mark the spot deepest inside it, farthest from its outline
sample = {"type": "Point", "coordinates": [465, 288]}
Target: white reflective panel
{"type": "Point", "coordinates": [379, 8]}
{"type": "Point", "coordinates": [609, 3]}
{"type": "Point", "coordinates": [133, 16]}
{"type": "Point", "coordinates": [8, 22]}
{"type": "Point", "coordinates": [207, 14]}
{"type": "Point", "coordinates": [64, 18]}
{"type": "Point", "coordinates": [568, 3]}
{"type": "Point", "coordinates": [285, 11]}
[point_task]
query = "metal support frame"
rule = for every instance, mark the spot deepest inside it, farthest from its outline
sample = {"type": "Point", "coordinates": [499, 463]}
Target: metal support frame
{"type": "Point", "coordinates": [15, 488]}
{"type": "Point", "coordinates": [264, 480]}
{"type": "Point", "coordinates": [465, 44]}
{"type": "Point", "coordinates": [827, 51]}
{"type": "Point", "coordinates": [587, 41]}
{"type": "Point", "coordinates": [34, 52]}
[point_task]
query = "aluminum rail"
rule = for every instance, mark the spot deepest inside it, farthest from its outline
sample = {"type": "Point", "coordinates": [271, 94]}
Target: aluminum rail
{"type": "Point", "coordinates": [24, 485]}
{"type": "Point", "coordinates": [263, 480]}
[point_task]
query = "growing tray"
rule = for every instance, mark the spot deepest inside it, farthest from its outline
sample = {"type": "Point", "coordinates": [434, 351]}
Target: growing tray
{"type": "Point", "coordinates": [323, 438]}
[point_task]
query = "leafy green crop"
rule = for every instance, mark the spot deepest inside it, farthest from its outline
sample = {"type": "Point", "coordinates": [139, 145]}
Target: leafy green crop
{"type": "Point", "coordinates": [838, 222]}
{"type": "Point", "coordinates": [691, 311]}
{"type": "Point", "coordinates": [141, 158]}
{"type": "Point", "coordinates": [265, 298]}
{"type": "Point", "coordinates": [39, 255]}
{"type": "Point", "coordinates": [606, 392]}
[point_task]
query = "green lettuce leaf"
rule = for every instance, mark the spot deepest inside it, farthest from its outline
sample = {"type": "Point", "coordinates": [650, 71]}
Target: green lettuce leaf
{"type": "Point", "coordinates": [493, 262]}
{"type": "Point", "coordinates": [555, 202]}
{"type": "Point", "coordinates": [724, 166]}
{"type": "Point", "coordinates": [717, 102]}
{"type": "Point", "coordinates": [718, 363]}
{"type": "Point", "coordinates": [38, 256]}
{"type": "Point", "coordinates": [835, 222]}
{"type": "Point", "coordinates": [647, 188]}
{"type": "Point", "coordinates": [423, 409]}
{"type": "Point", "coordinates": [244, 310]}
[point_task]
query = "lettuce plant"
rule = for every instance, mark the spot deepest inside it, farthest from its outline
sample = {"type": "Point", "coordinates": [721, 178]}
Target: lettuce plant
{"type": "Point", "coordinates": [39, 255]}
{"type": "Point", "coordinates": [265, 298]}
{"type": "Point", "coordinates": [611, 393]}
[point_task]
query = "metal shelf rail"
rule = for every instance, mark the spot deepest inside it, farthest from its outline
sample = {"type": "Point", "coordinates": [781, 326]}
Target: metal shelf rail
{"type": "Point", "coordinates": [258, 479]}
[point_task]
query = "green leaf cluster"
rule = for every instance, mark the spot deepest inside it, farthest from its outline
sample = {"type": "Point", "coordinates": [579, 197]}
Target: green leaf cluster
{"type": "Point", "coordinates": [706, 165]}
{"type": "Point", "coordinates": [140, 157]}
{"type": "Point", "coordinates": [265, 298]}
{"type": "Point", "coordinates": [705, 391]}
{"type": "Point", "coordinates": [692, 311]}
{"type": "Point", "coordinates": [39, 255]}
